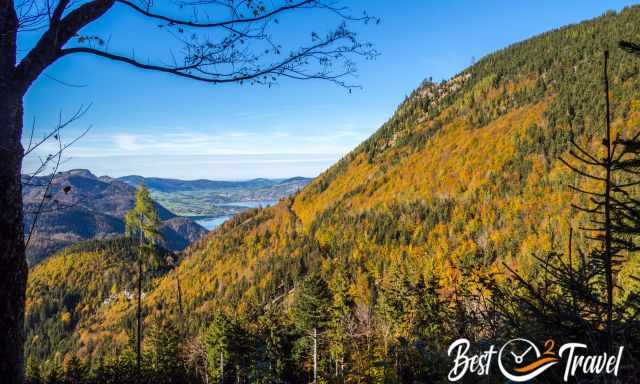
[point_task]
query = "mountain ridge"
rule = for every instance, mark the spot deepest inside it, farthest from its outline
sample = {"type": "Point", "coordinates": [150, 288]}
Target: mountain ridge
{"type": "Point", "coordinates": [167, 184]}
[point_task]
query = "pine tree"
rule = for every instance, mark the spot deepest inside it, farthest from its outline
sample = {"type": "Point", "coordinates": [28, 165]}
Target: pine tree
{"type": "Point", "coordinates": [429, 331]}
{"type": "Point", "coordinates": [614, 211]}
{"type": "Point", "coordinates": [392, 307]}
{"type": "Point", "coordinates": [54, 374]}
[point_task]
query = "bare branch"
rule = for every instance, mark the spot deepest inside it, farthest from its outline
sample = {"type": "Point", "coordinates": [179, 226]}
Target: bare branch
{"type": "Point", "coordinates": [61, 125]}
{"type": "Point", "coordinates": [173, 21]}
{"type": "Point", "coordinates": [248, 68]}
{"type": "Point", "coordinates": [580, 171]}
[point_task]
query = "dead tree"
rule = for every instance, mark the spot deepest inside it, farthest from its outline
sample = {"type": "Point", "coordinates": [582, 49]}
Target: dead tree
{"type": "Point", "coordinates": [222, 42]}
{"type": "Point", "coordinates": [571, 296]}
{"type": "Point", "coordinates": [613, 211]}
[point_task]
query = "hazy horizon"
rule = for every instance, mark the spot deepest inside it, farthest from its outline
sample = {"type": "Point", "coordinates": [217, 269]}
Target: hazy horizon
{"type": "Point", "coordinates": [246, 167]}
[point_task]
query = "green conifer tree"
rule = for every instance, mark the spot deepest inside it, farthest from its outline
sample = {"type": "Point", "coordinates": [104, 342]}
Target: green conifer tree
{"type": "Point", "coordinates": [165, 350]}
{"type": "Point", "coordinates": [74, 371]}
{"type": "Point", "coordinates": [218, 343]}
{"type": "Point", "coordinates": [274, 349]}
{"type": "Point", "coordinates": [341, 319]}
{"type": "Point", "coordinates": [311, 313]}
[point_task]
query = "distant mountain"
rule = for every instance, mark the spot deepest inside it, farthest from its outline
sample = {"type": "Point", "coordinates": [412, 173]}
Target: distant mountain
{"type": "Point", "coordinates": [210, 198]}
{"type": "Point", "coordinates": [81, 206]}
{"type": "Point", "coordinates": [174, 185]}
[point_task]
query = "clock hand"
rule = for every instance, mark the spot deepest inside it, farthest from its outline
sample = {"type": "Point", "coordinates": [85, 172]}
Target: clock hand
{"type": "Point", "coordinates": [525, 352]}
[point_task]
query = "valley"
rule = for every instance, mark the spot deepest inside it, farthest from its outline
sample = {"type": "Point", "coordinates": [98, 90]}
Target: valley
{"type": "Point", "coordinates": [82, 206]}
{"type": "Point", "coordinates": [210, 203]}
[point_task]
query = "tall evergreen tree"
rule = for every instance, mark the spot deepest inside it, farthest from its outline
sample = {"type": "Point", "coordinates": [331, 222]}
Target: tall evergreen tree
{"type": "Point", "coordinates": [73, 370]}
{"type": "Point", "coordinates": [166, 350]}
{"type": "Point", "coordinates": [219, 338]}
{"type": "Point", "coordinates": [143, 222]}
{"type": "Point", "coordinates": [311, 312]}
{"type": "Point", "coordinates": [341, 320]}
{"type": "Point", "coordinates": [33, 372]}
{"type": "Point", "coordinates": [613, 209]}
{"type": "Point", "coordinates": [274, 339]}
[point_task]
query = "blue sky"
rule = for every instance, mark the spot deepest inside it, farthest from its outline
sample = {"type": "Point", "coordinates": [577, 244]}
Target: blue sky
{"type": "Point", "coordinates": [157, 125]}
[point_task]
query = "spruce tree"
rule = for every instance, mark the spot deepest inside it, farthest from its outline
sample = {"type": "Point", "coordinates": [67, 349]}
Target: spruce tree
{"type": "Point", "coordinates": [166, 350]}
{"type": "Point", "coordinates": [274, 340]}
{"type": "Point", "coordinates": [341, 319]}
{"type": "Point", "coordinates": [33, 373]}
{"type": "Point", "coordinates": [311, 313]}
{"type": "Point", "coordinates": [219, 339]}
{"type": "Point", "coordinates": [612, 207]}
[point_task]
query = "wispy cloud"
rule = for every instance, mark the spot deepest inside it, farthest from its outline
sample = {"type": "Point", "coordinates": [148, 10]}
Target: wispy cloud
{"type": "Point", "coordinates": [276, 150]}
{"type": "Point", "coordinates": [217, 167]}
{"type": "Point", "coordinates": [127, 142]}
{"type": "Point", "coordinates": [186, 143]}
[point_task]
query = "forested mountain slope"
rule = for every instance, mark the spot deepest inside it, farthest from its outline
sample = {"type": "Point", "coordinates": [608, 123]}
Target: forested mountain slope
{"type": "Point", "coordinates": [69, 287]}
{"type": "Point", "coordinates": [464, 176]}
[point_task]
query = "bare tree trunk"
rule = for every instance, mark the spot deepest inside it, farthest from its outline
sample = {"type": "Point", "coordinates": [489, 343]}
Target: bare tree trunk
{"type": "Point", "coordinates": [13, 265]}
{"type": "Point", "coordinates": [315, 355]}
{"type": "Point", "coordinates": [206, 368]}
{"type": "Point", "coordinates": [181, 315]}
{"type": "Point", "coordinates": [221, 367]}
{"type": "Point", "coordinates": [607, 213]}
{"type": "Point", "coordinates": [571, 280]}
{"type": "Point", "coordinates": [139, 316]}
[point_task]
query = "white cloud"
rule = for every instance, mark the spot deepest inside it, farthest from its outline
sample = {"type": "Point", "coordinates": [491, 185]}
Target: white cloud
{"type": "Point", "coordinates": [127, 142]}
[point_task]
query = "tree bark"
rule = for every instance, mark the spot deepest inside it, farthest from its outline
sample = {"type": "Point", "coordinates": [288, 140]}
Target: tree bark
{"type": "Point", "coordinates": [13, 265]}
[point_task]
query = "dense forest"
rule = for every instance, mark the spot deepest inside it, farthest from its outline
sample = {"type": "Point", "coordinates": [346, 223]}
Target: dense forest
{"type": "Point", "coordinates": [457, 218]}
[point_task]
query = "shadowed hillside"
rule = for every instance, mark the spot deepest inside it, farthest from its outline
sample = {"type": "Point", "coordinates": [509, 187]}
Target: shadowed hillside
{"type": "Point", "coordinates": [90, 208]}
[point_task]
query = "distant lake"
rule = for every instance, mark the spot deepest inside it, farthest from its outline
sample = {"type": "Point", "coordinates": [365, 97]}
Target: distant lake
{"type": "Point", "coordinates": [211, 223]}
{"type": "Point", "coordinates": [249, 204]}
